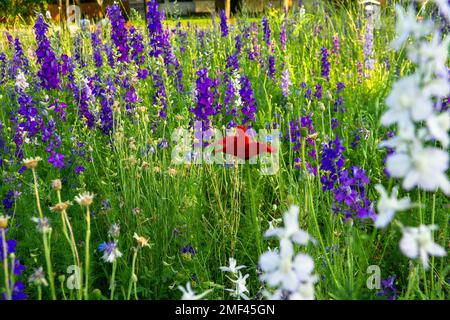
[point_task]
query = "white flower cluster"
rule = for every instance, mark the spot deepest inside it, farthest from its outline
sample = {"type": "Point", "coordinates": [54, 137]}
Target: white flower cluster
{"type": "Point", "coordinates": [290, 275]}
{"type": "Point", "coordinates": [414, 106]}
{"type": "Point", "coordinates": [421, 156]}
{"type": "Point", "coordinates": [236, 82]}
{"type": "Point", "coordinates": [189, 294]}
{"type": "Point", "coordinates": [240, 290]}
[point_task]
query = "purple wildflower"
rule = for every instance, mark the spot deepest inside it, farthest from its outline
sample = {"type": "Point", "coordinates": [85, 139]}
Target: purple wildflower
{"type": "Point", "coordinates": [119, 33]}
{"type": "Point", "coordinates": [318, 93]}
{"type": "Point", "coordinates": [271, 67]}
{"type": "Point", "coordinates": [137, 46]}
{"type": "Point", "coordinates": [283, 36]}
{"type": "Point", "coordinates": [325, 72]}
{"type": "Point", "coordinates": [155, 29]}
{"type": "Point", "coordinates": [285, 82]}
{"type": "Point", "coordinates": [248, 100]}
{"type": "Point", "coordinates": [336, 45]}
{"type": "Point", "coordinates": [96, 42]}
{"type": "Point", "coordinates": [223, 23]}
{"type": "Point", "coordinates": [266, 30]}
{"type": "Point", "coordinates": [369, 62]}
{"type": "Point", "coordinates": [57, 160]}
{"type": "Point", "coordinates": [388, 289]}
{"type": "Point", "coordinates": [50, 68]}
{"type": "Point", "coordinates": [205, 98]}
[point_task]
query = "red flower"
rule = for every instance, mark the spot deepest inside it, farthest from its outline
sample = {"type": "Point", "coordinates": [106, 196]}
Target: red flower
{"type": "Point", "coordinates": [242, 146]}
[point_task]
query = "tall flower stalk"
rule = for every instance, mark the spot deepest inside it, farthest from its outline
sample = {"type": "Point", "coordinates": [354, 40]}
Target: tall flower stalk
{"type": "Point", "coordinates": [85, 200]}
{"type": "Point", "coordinates": [4, 246]}
{"type": "Point", "coordinates": [61, 208]}
{"type": "Point", "coordinates": [46, 232]}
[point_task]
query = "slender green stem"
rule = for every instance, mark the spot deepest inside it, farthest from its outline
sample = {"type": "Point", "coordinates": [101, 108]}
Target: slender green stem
{"type": "Point", "coordinates": [113, 280]}
{"type": "Point", "coordinates": [39, 289]}
{"type": "Point", "coordinates": [46, 236]}
{"type": "Point", "coordinates": [5, 265]}
{"type": "Point", "coordinates": [133, 274]}
{"type": "Point", "coordinates": [73, 245]}
{"type": "Point", "coordinates": [87, 257]}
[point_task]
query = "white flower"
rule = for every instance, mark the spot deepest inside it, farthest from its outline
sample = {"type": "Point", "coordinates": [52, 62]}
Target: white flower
{"type": "Point", "coordinates": [189, 294]}
{"type": "Point", "coordinates": [431, 56]}
{"type": "Point", "coordinates": [387, 206]}
{"type": "Point", "coordinates": [401, 141]}
{"type": "Point", "coordinates": [418, 242]}
{"type": "Point", "coordinates": [407, 102]}
{"type": "Point", "coordinates": [438, 87]}
{"type": "Point", "coordinates": [304, 266]}
{"type": "Point", "coordinates": [280, 270]}
{"type": "Point", "coordinates": [277, 267]}
{"type": "Point", "coordinates": [291, 230]}
{"type": "Point", "coordinates": [305, 291]}
{"type": "Point", "coordinates": [444, 7]}
{"type": "Point", "coordinates": [21, 81]}
{"type": "Point", "coordinates": [241, 287]}
{"type": "Point", "coordinates": [423, 167]}
{"type": "Point", "coordinates": [407, 25]}
{"type": "Point", "coordinates": [232, 268]}
{"type": "Point", "coordinates": [439, 126]}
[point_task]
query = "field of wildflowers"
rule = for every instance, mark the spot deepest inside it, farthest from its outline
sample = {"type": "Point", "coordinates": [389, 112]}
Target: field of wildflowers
{"type": "Point", "coordinates": [298, 154]}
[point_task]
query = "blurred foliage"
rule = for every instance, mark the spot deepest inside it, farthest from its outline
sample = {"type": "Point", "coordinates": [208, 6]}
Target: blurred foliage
{"type": "Point", "coordinates": [13, 11]}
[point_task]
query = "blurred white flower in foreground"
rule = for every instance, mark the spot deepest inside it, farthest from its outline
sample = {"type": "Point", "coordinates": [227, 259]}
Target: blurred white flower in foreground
{"type": "Point", "coordinates": [407, 25]}
{"type": "Point", "coordinates": [291, 229]}
{"type": "Point", "coordinates": [431, 56]}
{"type": "Point", "coordinates": [388, 205]}
{"type": "Point", "coordinates": [444, 6]}
{"type": "Point", "coordinates": [438, 126]}
{"type": "Point", "coordinates": [407, 102]}
{"type": "Point", "coordinates": [284, 270]}
{"type": "Point", "coordinates": [418, 243]}
{"type": "Point", "coordinates": [288, 275]}
{"type": "Point", "coordinates": [424, 167]}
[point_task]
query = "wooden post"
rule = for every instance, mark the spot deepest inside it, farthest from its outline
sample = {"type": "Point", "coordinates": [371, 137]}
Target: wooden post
{"type": "Point", "coordinates": [228, 8]}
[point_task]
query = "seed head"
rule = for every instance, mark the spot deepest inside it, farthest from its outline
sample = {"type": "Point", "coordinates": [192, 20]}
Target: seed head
{"type": "Point", "coordinates": [4, 222]}
{"type": "Point", "coordinates": [60, 207]}
{"type": "Point", "coordinates": [85, 199]}
{"type": "Point", "coordinates": [31, 163]}
{"type": "Point", "coordinates": [57, 185]}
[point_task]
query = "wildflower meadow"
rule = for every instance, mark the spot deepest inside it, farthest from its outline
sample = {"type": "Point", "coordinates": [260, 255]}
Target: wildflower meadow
{"type": "Point", "coordinates": [292, 154]}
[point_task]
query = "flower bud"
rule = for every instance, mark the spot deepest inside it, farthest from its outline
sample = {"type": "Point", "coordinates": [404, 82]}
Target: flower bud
{"type": "Point", "coordinates": [3, 222]}
{"type": "Point", "coordinates": [57, 185]}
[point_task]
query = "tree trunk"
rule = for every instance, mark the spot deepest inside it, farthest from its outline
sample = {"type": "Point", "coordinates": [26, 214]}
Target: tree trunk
{"type": "Point", "coordinates": [228, 8]}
